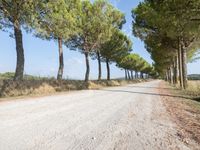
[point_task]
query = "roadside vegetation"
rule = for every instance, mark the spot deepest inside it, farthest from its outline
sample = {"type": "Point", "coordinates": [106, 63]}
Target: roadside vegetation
{"type": "Point", "coordinates": [194, 77]}
{"type": "Point", "coordinates": [193, 89]}
{"type": "Point", "coordinates": [10, 76]}
{"type": "Point", "coordinates": [170, 30]}
{"type": "Point", "coordinates": [37, 86]}
{"type": "Point", "coordinates": [91, 28]}
{"type": "Point", "coordinates": [184, 111]}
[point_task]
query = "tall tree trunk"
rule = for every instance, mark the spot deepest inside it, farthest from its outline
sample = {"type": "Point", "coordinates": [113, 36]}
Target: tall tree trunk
{"type": "Point", "coordinates": [99, 65]}
{"type": "Point", "coordinates": [126, 74]}
{"type": "Point", "coordinates": [184, 65]}
{"type": "Point", "coordinates": [132, 74]}
{"type": "Point", "coordinates": [180, 65]}
{"type": "Point", "coordinates": [61, 59]}
{"type": "Point", "coordinates": [129, 77]}
{"type": "Point", "coordinates": [140, 75]}
{"type": "Point", "coordinates": [87, 73]}
{"type": "Point", "coordinates": [175, 70]}
{"type": "Point", "coordinates": [108, 69]}
{"type": "Point", "coordinates": [167, 77]}
{"type": "Point", "coordinates": [19, 72]}
{"type": "Point", "coordinates": [136, 75]}
{"type": "Point", "coordinates": [171, 74]}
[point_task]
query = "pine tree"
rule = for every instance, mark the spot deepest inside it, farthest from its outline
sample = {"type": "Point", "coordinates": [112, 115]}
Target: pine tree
{"type": "Point", "coordinates": [58, 21]}
{"type": "Point", "coordinates": [17, 14]}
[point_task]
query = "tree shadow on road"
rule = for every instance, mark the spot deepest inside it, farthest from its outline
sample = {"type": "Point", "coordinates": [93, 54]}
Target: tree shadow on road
{"type": "Point", "coordinates": [196, 99]}
{"type": "Point", "coordinates": [149, 87]}
{"type": "Point", "coordinates": [146, 93]}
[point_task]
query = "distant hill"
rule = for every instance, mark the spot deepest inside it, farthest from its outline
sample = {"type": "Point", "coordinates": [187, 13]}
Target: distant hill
{"type": "Point", "coordinates": [194, 77]}
{"type": "Point", "coordinates": [7, 75]}
{"type": "Point", "coordinates": [10, 75]}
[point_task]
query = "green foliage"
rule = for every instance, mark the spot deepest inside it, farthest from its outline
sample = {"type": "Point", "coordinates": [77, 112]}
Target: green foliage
{"type": "Point", "coordinates": [194, 77]}
{"type": "Point", "coordinates": [7, 75]}
{"type": "Point", "coordinates": [135, 63]}
{"type": "Point", "coordinates": [163, 24]}
{"type": "Point", "coordinates": [86, 26]}
{"type": "Point", "coordinates": [57, 19]}
{"type": "Point", "coordinates": [19, 12]}
{"type": "Point", "coordinates": [96, 22]}
{"type": "Point", "coordinates": [118, 46]}
{"type": "Point", "coordinates": [10, 75]}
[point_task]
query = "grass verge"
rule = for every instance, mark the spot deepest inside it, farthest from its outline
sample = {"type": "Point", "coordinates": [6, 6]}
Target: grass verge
{"type": "Point", "coordinates": [192, 91]}
{"type": "Point", "coordinates": [185, 112]}
{"type": "Point", "coordinates": [10, 88]}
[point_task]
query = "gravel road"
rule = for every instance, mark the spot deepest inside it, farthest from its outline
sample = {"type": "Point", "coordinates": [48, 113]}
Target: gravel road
{"type": "Point", "coordinates": [131, 117]}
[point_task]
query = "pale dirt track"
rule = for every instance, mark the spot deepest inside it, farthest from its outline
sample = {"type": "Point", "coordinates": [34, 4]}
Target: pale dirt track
{"type": "Point", "coordinates": [120, 118]}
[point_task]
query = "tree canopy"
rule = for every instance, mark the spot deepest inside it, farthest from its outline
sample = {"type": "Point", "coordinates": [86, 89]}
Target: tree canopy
{"type": "Point", "coordinates": [90, 27]}
{"type": "Point", "coordinates": [170, 30]}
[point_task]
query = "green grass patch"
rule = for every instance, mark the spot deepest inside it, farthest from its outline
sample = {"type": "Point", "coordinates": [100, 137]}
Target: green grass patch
{"type": "Point", "coordinates": [10, 75]}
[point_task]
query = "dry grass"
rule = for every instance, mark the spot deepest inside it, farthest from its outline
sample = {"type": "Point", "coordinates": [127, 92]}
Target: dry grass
{"type": "Point", "coordinates": [10, 88]}
{"type": "Point", "coordinates": [193, 88]}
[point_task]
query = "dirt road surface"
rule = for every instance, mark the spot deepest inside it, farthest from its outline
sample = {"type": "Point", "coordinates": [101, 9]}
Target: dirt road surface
{"type": "Point", "coordinates": [131, 117]}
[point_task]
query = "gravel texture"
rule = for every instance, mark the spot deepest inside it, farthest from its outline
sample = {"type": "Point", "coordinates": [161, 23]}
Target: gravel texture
{"type": "Point", "coordinates": [131, 117]}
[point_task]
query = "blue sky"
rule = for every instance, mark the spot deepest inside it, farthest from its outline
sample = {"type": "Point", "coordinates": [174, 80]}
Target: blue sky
{"type": "Point", "coordinates": [41, 57]}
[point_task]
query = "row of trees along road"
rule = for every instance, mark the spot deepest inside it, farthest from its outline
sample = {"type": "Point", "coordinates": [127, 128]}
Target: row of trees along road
{"type": "Point", "coordinates": [170, 30]}
{"type": "Point", "coordinates": [90, 28]}
{"type": "Point", "coordinates": [133, 62]}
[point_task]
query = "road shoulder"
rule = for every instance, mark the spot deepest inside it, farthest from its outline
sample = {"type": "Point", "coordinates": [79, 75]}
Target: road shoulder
{"type": "Point", "coordinates": [184, 112]}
